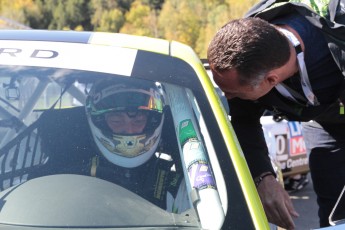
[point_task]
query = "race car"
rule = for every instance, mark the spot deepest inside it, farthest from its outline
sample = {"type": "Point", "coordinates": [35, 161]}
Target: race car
{"type": "Point", "coordinates": [68, 158]}
{"type": "Point", "coordinates": [112, 131]}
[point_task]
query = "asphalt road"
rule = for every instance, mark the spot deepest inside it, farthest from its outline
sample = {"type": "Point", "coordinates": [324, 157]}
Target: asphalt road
{"type": "Point", "coordinates": [305, 204]}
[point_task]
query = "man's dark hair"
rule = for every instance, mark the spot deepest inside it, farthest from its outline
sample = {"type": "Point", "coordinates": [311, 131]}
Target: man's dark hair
{"type": "Point", "coordinates": [252, 46]}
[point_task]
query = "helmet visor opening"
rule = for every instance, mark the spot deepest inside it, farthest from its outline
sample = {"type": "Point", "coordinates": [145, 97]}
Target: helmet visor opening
{"type": "Point", "coordinates": [128, 100]}
{"type": "Point", "coordinates": [127, 122]}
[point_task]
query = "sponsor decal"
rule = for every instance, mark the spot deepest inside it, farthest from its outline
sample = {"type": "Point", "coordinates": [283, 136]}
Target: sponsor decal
{"type": "Point", "coordinates": [281, 147]}
{"type": "Point", "coordinates": [98, 58]}
{"type": "Point", "coordinates": [201, 176]}
{"type": "Point", "coordinates": [286, 144]}
{"type": "Point", "coordinates": [297, 145]}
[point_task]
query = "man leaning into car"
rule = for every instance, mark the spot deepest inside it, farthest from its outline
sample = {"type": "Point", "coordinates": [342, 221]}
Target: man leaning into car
{"type": "Point", "coordinates": [285, 66]}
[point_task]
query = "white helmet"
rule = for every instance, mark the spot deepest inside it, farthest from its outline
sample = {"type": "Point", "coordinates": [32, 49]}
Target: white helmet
{"type": "Point", "coordinates": [113, 95]}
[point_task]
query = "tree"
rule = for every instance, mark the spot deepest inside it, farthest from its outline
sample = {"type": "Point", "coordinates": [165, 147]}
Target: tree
{"type": "Point", "coordinates": [181, 20]}
{"type": "Point", "coordinates": [20, 11]}
{"type": "Point", "coordinates": [216, 17]}
{"type": "Point", "coordinates": [108, 15]}
{"type": "Point", "coordinates": [141, 20]}
{"type": "Point", "coordinates": [239, 8]}
{"type": "Point", "coordinates": [60, 14]}
{"type": "Point", "coordinates": [193, 22]}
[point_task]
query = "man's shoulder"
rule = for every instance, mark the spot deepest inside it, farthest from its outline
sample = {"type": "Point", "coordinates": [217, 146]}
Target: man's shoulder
{"type": "Point", "coordinates": [326, 15]}
{"type": "Point", "coordinates": [268, 9]}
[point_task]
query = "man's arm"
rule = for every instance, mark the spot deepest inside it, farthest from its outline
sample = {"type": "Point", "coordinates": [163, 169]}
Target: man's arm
{"type": "Point", "coordinates": [245, 118]}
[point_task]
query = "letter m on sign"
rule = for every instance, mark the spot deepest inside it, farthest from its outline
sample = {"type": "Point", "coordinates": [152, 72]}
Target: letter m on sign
{"type": "Point", "coordinates": [297, 145]}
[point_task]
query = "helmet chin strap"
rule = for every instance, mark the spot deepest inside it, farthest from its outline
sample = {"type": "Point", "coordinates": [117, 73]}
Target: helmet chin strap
{"type": "Point", "coordinates": [306, 86]}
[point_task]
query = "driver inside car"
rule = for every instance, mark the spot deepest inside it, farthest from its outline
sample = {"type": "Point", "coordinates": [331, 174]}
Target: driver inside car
{"type": "Point", "coordinates": [125, 123]}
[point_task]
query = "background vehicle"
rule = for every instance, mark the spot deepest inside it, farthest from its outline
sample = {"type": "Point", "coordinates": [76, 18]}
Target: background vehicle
{"type": "Point", "coordinates": [45, 179]}
{"type": "Point", "coordinates": [287, 149]}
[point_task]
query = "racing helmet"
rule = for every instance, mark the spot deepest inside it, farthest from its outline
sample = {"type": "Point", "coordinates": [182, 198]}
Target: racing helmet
{"type": "Point", "coordinates": [114, 96]}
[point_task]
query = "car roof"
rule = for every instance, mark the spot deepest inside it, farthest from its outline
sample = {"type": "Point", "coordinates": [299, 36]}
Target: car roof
{"type": "Point", "coordinates": [88, 37]}
{"type": "Point", "coordinates": [45, 35]}
{"type": "Point", "coordinates": [174, 62]}
{"type": "Point", "coordinates": [153, 59]}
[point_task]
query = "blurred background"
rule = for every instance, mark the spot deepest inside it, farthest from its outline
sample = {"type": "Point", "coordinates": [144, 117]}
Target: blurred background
{"type": "Point", "coordinates": [193, 22]}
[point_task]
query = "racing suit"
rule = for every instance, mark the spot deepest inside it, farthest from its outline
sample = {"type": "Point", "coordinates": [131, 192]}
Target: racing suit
{"type": "Point", "coordinates": [159, 180]}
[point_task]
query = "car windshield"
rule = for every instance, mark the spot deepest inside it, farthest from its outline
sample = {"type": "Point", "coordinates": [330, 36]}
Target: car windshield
{"type": "Point", "coordinates": [64, 136]}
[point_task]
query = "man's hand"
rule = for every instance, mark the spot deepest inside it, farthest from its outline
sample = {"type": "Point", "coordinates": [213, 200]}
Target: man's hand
{"type": "Point", "coordinates": [277, 204]}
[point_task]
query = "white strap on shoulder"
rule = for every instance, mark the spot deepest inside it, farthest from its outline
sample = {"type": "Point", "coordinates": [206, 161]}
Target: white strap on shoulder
{"type": "Point", "coordinates": [306, 86]}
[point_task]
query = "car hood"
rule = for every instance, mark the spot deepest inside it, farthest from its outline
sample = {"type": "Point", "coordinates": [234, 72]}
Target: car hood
{"type": "Point", "coordinates": [74, 201]}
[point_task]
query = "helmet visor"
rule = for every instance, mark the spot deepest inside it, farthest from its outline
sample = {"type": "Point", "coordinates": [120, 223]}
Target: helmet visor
{"type": "Point", "coordinates": [111, 99]}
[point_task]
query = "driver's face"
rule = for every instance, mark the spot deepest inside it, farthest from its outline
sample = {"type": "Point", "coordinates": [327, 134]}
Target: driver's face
{"type": "Point", "coordinates": [127, 122]}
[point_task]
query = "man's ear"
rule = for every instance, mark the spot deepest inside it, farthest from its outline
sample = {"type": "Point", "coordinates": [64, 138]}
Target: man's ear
{"type": "Point", "coordinates": [272, 79]}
